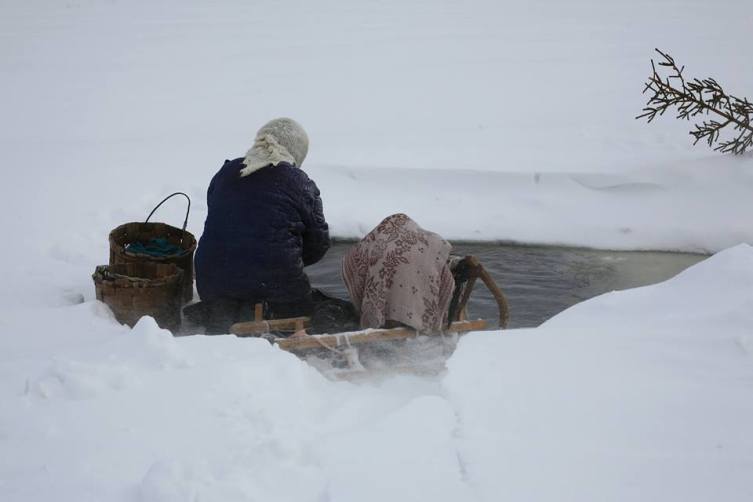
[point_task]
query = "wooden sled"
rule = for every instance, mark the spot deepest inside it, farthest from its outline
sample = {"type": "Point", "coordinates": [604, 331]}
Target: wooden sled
{"type": "Point", "coordinates": [466, 272]}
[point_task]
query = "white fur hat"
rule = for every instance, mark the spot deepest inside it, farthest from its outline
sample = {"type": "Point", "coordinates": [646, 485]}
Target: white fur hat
{"type": "Point", "coordinates": [279, 140]}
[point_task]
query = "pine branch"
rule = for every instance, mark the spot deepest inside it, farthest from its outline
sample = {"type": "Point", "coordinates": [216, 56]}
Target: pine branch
{"type": "Point", "coordinates": [700, 97]}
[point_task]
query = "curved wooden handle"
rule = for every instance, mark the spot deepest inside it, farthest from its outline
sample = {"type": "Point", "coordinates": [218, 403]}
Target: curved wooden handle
{"type": "Point", "coordinates": [499, 296]}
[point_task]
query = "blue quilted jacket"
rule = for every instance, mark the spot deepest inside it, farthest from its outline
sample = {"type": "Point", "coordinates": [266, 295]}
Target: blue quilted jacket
{"type": "Point", "coordinates": [260, 231]}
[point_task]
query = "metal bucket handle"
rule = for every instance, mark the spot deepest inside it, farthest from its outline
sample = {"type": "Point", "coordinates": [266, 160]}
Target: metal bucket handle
{"type": "Point", "coordinates": [188, 210]}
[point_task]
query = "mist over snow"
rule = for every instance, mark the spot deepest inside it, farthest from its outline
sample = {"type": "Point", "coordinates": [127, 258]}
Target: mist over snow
{"type": "Point", "coordinates": [482, 120]}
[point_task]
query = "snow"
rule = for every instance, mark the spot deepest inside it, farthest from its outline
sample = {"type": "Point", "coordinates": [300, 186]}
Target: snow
{"type": "Point", "coordinates": [632, 395]}
{"type": "Point", "coordinates": [643, 393]}
{"type": "Point", "coordinates": [484, 120]}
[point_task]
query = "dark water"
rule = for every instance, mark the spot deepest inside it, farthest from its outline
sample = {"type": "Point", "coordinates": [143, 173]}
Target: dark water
{"type": "Point", "coordinates": [539, 282]}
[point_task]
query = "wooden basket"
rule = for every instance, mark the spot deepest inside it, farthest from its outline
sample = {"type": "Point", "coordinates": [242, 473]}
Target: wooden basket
{"type": "Point", "coordinates": [133, 290]}
{"type": "Point", "coordinates": [128, 233]}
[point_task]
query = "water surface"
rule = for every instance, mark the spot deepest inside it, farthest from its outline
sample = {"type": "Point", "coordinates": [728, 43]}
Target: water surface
{"type": "Point", "coordinates": [538, 281]}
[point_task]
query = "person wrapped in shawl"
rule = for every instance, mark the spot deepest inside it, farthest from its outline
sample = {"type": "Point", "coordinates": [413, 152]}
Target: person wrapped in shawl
{"type": "Point", "coordinates": [399, 275]}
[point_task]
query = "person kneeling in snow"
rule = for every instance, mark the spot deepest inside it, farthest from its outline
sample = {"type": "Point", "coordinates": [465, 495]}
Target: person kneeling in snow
{"type": "Point", "coordinates": [264, 224]}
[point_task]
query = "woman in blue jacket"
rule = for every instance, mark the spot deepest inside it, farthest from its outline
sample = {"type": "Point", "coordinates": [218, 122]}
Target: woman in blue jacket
{"type": "Point", "coordinates": [264, 224]}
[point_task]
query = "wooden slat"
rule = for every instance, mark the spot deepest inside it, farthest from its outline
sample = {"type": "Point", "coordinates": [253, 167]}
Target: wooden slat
{"type": "Point", "coordinates": [252, 328]}
{"type": "Point", "coordinates": [365, 336]}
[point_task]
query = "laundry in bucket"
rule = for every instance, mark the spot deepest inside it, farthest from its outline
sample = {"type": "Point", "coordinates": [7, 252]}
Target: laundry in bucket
{"type": "Point", "coordinates": [155, 247]}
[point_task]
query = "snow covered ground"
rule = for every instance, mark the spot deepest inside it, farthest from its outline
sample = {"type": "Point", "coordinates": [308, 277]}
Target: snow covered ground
{"type": "Point", "coordinates": [645, 394]}
{"type": "Point", "coordinates": [483, 120]}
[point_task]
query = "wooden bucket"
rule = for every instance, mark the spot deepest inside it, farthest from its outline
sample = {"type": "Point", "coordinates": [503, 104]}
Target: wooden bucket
{"type": "Point", "coordinates": [128, 233]}
{"type": "Point", "coordinates": [136, 289]}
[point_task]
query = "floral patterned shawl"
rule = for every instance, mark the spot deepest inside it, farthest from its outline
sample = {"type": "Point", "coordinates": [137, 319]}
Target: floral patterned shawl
{"type": "Point", "coordinates": [399, 272]}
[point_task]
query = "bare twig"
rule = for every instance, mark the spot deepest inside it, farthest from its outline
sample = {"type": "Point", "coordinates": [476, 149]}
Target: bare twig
{"type": "Point", "coordinates": [695, 97]}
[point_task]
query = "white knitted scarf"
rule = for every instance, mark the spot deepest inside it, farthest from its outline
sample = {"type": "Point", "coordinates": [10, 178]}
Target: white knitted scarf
{"type": "Point", "coordinates": [279, 140]}
{"type": "Point", "coordinates": [265, 151]}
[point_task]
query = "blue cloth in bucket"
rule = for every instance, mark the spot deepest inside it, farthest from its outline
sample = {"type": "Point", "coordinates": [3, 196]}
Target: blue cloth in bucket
{"type": "Point", "coordinates": [158, 247]}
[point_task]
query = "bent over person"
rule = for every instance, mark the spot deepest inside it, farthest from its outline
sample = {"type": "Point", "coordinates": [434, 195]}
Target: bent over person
{"type": "Point", "coordinates": [398, 275]}
{"type": "Point", "coordinates": [264, 224]}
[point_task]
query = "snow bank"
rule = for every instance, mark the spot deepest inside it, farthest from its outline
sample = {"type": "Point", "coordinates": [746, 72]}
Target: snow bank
{"type": "Point", "coordinates": [641, 394]}
{"type": "Point", "coordinates": [689, 207]}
